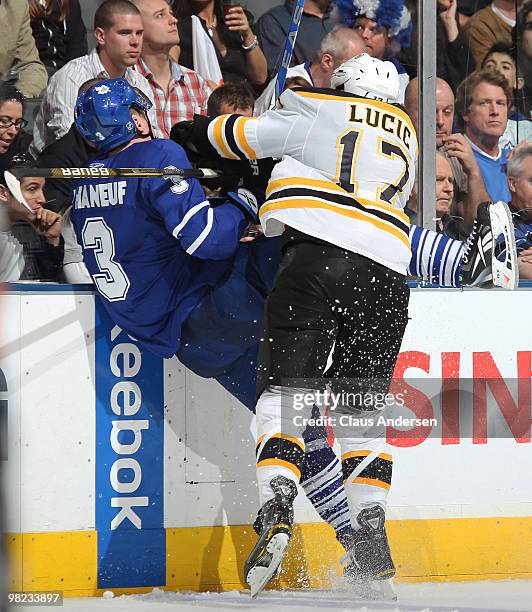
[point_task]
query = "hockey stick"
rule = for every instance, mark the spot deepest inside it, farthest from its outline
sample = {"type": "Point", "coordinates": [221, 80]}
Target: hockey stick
{"type": "Point", "coordinates": [289, 47]}
{"type": "Point", "coordinates": [99, 173]}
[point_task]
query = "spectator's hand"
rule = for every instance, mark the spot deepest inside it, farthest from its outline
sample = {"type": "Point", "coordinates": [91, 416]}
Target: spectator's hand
{"type": "Point", "coordinates": [448, 17]}
{"type": "Point", "coordinates": [456, 145]}
{"type": "Point", "coordinates": [237, 21]}
{"type": "Point", "coordinates": [524, 263]}
{"type": "Point", "coordinates": [526, 255]}
{"type": "Point", "coordinates": [48, 224]}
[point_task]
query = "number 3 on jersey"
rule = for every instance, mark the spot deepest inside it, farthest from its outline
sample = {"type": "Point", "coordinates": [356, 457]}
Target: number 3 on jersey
{"type": "Point", "coordinates": [112, 282]}
{"type": "Point", "coordinates": [349, 144]}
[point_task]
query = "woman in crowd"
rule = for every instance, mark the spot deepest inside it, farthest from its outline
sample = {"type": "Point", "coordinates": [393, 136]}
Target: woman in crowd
{"type": "Point", "coordinates": [235, 44]}
{"type": "Point", "coordinates": [13, 139]}
{"type": "Point", "coordinates": [59, 31]}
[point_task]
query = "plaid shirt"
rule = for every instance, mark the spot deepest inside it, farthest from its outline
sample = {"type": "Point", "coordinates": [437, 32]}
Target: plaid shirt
{"type": "Point", "coordinates": [187, 95]}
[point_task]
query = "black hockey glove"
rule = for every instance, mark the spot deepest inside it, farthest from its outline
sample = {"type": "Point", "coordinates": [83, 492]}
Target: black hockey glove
{"type": "Point", "coordinates": [192, 136]}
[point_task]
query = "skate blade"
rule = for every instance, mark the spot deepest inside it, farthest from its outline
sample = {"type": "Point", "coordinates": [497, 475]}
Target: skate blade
{"type": "Point", "coordinates": [374, 590]}
{"type": "Point", "coordinates": [505, 273]}
{"type": "Point", "coordinates": [259, 576]}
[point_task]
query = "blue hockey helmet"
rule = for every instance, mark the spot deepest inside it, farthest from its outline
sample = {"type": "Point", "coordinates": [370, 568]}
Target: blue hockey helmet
{"type": "Point", "coordinates": [103, 116]}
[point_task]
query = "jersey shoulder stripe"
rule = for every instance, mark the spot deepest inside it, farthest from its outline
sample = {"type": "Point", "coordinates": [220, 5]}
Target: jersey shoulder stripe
{"type": "Point", "coordinates": [217, 134]}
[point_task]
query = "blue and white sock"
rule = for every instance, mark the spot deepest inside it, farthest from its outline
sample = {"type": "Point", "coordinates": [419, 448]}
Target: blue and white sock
{"type": "Point", "coordinates": [322, 480]}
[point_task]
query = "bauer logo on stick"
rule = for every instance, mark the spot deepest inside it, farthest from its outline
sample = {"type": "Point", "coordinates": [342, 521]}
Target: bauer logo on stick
{"type": "Point", "coordinates": [84, 172]}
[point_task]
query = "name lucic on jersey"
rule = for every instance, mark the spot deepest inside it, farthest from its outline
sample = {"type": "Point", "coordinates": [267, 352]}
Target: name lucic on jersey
{"type": "Point", "coordinates": [393, 124]}
{"type": "Point", "coordinates": [99, 195]}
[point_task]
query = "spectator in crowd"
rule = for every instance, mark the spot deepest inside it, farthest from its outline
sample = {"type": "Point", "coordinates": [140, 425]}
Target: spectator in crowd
{"type": "Point", "coordinates": [35, 236]}
{"type": "Point", "coordinates": [13, 139]}
{"type": "Point", "coordinates": [482, 102]}
{"type": "Point", "coordinates": [58, 30]}
{"type": "Point", "coordinates": [501, 58]}
{"type": "Point", "coordinates": [235, 45]}
{"type": "Point", "coordinates": [488, 26]}
{"type": "Point", "coordinates": [520, 183]}
{"type": "Point", "coordinates": [19, 59]}
{"type": "Point", "coordinates": [451, 44]}
{"type": "Point", "coordinates": [179, 92]}
{"type": "Point", "coordinates": [469, 189]}
{"type": "Point", "coordinates": [385, 26]}
{"type": "Point", "coordinates": [118, 30]}
{"type": "Point", "coordinates": [274, 25]}
{"type": "Point", "coordinates": [70, 151]}
{"type": "Point", "coordinates": [231, 98]}
{"type": "Point", "coordinates": [523, 36]}
{"type": "Point", "coordinates": [446, 222]}
{"type": "Point", "coordinates": [467, 8]}
{"type": "Point", "coordinates": [296, 81]}
{"type": "Point", "coordinates": [341, 44]}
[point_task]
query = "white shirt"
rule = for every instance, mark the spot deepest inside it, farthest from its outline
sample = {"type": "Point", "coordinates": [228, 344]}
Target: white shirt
{"type": "Point", "coordinates": [56, 114]}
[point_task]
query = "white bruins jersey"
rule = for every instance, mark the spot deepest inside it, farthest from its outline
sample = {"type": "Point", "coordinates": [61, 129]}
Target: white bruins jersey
{"type": "Point", "coordinates": [347, 169]}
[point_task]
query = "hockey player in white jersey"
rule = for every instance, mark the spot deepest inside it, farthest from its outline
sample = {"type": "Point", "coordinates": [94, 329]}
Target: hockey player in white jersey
{"type": "Point", "coordinates": [347, 170]}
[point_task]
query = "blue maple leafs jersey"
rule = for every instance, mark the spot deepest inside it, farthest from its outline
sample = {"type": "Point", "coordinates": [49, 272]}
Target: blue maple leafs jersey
{"type": "Point", "coordinates": [153, 246]}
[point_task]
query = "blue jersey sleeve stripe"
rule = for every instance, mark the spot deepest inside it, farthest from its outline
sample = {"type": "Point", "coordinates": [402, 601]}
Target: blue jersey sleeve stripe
{"type": "Point", "coordinates": [200, 239]}
{"type": "Point", "coordinates": [189, 214]}
{"type": "Point", "coordinates": [445, 269]}
{"type": "Point", "coordinates": [457, 265]}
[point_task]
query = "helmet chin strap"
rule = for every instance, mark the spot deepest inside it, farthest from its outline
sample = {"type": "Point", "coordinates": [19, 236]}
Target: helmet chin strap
{"type": "Point", "coordinates": [150, 133]}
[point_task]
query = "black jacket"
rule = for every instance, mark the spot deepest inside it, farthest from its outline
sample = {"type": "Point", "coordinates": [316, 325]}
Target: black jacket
{"type": "Point", "coordinates": [43, 261]}
{"type": "Point", "coordinates": [19, 146]}
{"type": "Point", "coordinates": [70, 151]}
{"type": "Point", "coordinates": [59, 42]}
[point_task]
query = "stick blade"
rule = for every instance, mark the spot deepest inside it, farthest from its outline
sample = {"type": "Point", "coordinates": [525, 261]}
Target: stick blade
{"type": "Point", "coordinates": [13, 184]}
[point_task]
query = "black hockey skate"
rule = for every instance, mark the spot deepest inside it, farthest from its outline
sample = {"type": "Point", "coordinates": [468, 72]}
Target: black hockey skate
{"type": "Point", "coordinates": [369, 566]}
{"type": "Point", "coordinates": [274, 528]}
{"type": "Point", "coordinates": [490, 256]}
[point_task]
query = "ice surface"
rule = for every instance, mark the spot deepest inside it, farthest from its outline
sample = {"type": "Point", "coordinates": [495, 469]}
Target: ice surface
{"type": "Point", "coordinates": [489, 596]}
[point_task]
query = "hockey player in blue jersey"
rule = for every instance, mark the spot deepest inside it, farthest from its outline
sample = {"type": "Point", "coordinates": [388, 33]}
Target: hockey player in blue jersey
{"type": "Point", "coordinates": [172, 271]}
